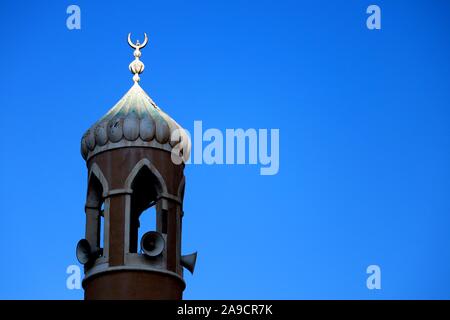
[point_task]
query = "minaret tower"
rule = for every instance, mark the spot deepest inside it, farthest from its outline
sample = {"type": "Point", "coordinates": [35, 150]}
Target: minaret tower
{"type": "Point", "coordinates": [135, 159]}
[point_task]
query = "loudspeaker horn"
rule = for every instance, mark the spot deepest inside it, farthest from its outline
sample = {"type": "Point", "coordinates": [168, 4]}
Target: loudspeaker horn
{"type": "Point", "coordinates": [152, 243]}
{"type": "Point", "coordinates": [84, 253]}
{"type": "Point", "coordinates": [188, 261]}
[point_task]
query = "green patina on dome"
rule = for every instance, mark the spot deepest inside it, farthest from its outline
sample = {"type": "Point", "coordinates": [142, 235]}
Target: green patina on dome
{"type": "Point", "coordinates": [135, 118]}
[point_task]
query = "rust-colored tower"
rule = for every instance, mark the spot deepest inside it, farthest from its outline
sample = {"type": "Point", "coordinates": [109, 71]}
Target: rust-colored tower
{"type": "Point", "coordinates": [134, 156]}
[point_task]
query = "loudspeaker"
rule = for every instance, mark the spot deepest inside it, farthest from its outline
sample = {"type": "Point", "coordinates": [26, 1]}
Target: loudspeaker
{"type": "Point", "coordinates": [84, 251]}
{"type": "Point", "coordinates": [188, 261]}
{"type": "Point", "coordinates": [152, 243]}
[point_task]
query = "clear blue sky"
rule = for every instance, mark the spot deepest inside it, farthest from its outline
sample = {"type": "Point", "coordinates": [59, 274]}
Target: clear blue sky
{"type": "Point", "coordinates": [364, 125]}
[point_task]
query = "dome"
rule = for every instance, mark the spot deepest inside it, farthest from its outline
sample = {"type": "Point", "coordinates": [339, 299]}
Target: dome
{"type": "Point", "coordinates": [135, 121]}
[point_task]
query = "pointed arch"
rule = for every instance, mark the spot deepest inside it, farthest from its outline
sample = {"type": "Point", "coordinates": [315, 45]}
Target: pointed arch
{"type": "Point", "coordinates": [161, 186]}
{"type": "Point", "coordinates": [95, 199]}
{"type": "Point", "coordinates": [97, 172]}
{"type": "Point", "coordinates": [147, 185]}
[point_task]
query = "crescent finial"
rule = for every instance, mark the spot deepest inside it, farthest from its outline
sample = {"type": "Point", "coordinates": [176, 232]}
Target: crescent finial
{"type": "Point", "coordinates": [137, 45]}
{"type": "Point", "coordinates": [137, 67]}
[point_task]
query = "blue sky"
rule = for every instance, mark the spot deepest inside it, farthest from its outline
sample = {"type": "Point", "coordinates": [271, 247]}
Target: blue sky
{"type": "Point", "coordinates": [364, 140]}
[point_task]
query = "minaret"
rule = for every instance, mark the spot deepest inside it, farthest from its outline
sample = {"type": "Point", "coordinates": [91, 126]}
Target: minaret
{"type": "Point", "coordinates": [135, 159]}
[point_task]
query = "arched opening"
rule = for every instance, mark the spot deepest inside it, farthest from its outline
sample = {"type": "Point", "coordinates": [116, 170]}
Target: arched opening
{"type": "Point", "coordinates": [143, 215]}
{"type": "Point", "coordinates": [147, 222]}
{"type": "Point", "coordinates": [94, 214]}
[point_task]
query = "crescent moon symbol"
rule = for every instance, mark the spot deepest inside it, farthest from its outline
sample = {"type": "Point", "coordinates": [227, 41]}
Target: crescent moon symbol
{"type": "Point", "coordinates": [134, 46]}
